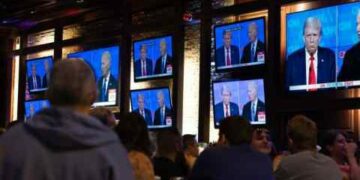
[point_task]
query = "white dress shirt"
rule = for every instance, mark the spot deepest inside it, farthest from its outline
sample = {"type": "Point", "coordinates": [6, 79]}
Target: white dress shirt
{"type": "Point", "coordinates": [226, 51]}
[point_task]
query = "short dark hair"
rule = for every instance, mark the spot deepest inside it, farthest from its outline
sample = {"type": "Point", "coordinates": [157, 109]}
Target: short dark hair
{"type": "Point", "coordinates": [167, 141]}
{"type": "Point", "coordinates": [329, 139]}
{"type": "Point", "coordinates": [237, 130]}
{"type": "Point", "coordinates": [133, 133]}
{"type": "Point", "coordinates": [101, 113]}
{"type": "Point", "coordinates": [188, 140]}
{"type": "Point", "coordinates": [303, 132]}
{"type": "Point", "coordinates": [72, 83]}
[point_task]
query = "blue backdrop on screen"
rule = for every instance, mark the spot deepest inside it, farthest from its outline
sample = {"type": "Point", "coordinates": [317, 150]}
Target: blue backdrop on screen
{"type": "Point", "coordinates": [37, 105]}
{"type": "Point", "coordinates": [39, 64]}
{"type": "Point", "coordinates": [93, 58]}
{"type": "Point", "coordinates": [153, 48]}
{"type": "Point", "coordinates": [150, 97]}
{"type": "Point", "coordinates": [239, 34]}
{"type": "Point", "coordinates": [338, 26]}
{"type": "Point", "coordinates": [239, 92]}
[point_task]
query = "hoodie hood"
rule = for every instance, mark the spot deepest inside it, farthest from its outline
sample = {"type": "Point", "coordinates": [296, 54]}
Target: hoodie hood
{"type": "Point", "coordinates": [64, 129]}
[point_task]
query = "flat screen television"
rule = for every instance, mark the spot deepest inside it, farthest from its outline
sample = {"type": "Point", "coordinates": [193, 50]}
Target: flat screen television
{"type": "Point", "coordinates": [240, 44]}
{"type": "Point", "coordinates": [154, 105]}
{"type": "Point", "coordinates": [105, 65]}
{"type": "Point", "coordinates": [38, 73]}
{"type": "Point", "coordinates": [34, 106]}
{"type": "Point", "coordinates": [239, 98]}
{"type": "Point", "coordinates": [322, 48]}
{"type": "Point", "coordinates": [153, 58]}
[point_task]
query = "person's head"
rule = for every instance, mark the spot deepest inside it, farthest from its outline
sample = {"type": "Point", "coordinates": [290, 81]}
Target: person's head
{"type": "Point", "coordinates": [358, 23]}
{"type": "Point", "coordinates": [302, 134]}
{"type": "Point", "coordinates": [234, 130]}
{"type": "Point", "coordinates": [252, 31]}
{"type": "Point", "coordinates": [227, 38]}
{"type": "Point", "coordinates": [261, 142]}
{"type": "Point", "coordinates": [190, 145]}
{"type": "Point", "coordinates": [105, 63]}
{"type": "Point", "coordinates": [141, 101]}
{"type": "Point", "coordinates": [143, 52]}
{"type": "Point", "coordinates": [46, 65]}
{"type": "Point", "coordinates": [312, 32]}
{"type": "Point", "coordinates": [104, 115]}
{"type": "Point", "coordinates": [252, 90]}
{"type": "Point", "coordinates": [168, 142]}
{"type": "Point", "coordinates": [160, 98]}
{"type": "Point", "coordinates": [72, 84]}
{"type": "Point", "coordinates": [163, 47]}
{"type": "Point", "coordinates": [225, 94]}
{"type": "Point", "coordinates": [133, 133]}
{"type": "Point", "coordinates": [33, 70]}
{"type": "Point", "coordinates": [333, 144]}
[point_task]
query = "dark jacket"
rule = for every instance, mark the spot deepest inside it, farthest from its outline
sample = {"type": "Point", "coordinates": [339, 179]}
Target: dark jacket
{"type": "Point", "coordinates": [247, 110]}
{"type": "Point", "coordinates": [220, 58]}
{"type": "Point", "coordinates": [59, 144]}
{"type": "Point", "coordinates": [234, 162]}
{"type": "Point", "coordinates": [104, 96]}
{"type": "Point", "coordinates": [246, 57]}
{"type": "Point", "coordinates": [351, 67]}
{"type": "Point", "coordinates": [219, 111]}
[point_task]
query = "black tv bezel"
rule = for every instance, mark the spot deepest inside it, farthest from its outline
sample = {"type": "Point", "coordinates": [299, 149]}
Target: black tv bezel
{"type": "Point", "coordinates": [36, 59]}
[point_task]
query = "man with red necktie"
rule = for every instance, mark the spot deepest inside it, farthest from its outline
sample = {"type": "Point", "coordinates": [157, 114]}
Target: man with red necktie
{"type": "Point", "coordinates": [227, 55]}
{"type": "Point", "coordinates": [225, 108]}
{"type": "Point", "coordinates": [144, 65]}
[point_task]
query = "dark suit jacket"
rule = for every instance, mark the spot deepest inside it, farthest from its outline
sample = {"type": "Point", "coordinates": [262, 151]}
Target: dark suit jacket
{"type": "Point", "coordinates": [30, 82]}
{"type": "Point", "coordinates": [247, 110]}
{"type": "Point", "coordinates": [111, 85]}
{"type": "Point", "coordinates": [296, 72]}
{"type": "Point", "coordinates": [44, 81]}
{"type": "Point", "coordinates": [351, 67]}
{"type": "Point", "coordinates": [148, 118]}
{"type": "Point", "coordinates": [260, 47]}
{"type": "Point", "coordinates": [219, 111]}
{"type": "Point", "coordinates": [157, 116]}
{"type": "Point", "coordinates": [159, 63]}
{"type": "Point", "coordinates": [149, 67]}
{"type": "Point", "coordinates": [220, 56]}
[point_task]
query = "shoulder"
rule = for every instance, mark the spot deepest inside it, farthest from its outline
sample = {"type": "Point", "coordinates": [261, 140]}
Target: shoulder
{"type": "Point", "coordinates": [298, 53]}
{"type": "Point", "coordinates": [233, 104]}
{"type": "Point", "coordinates": [326, 51]}
{"type": "Point", "coordinates": [221, 48]}
{"type": "Point", "coordinates": [234, 47]}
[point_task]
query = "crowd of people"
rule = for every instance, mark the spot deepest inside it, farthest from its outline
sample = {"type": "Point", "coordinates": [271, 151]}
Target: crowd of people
{"type": "Point", "coordinates": [71, 141]}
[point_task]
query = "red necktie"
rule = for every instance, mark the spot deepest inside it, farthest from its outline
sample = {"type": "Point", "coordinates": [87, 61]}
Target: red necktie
{"type": "Point", "coordinates": [228, 59]}
{"type": "Point", "coordinates": [143, 69]}
{"type": "Point", "coordinates": [227, 111]}
{"type": "Point", "coordinates": [312, 75]}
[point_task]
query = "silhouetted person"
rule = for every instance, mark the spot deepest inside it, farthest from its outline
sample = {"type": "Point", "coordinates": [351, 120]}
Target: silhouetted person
{"type": "Point", "coordinates": [104, 115]}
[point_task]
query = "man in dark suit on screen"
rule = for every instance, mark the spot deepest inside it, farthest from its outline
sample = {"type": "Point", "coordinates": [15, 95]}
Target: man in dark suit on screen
{"type": "Point", "coordinates": [46, 76]}
{"type": "Point", "coordinates": [255, 105]}
{"type": "Point", "coordinates": [144, 65]}
{"type": "Point", "coordinates": [254, 51]}
{"type": "Point", "coordinates": [107, 81]}
{"type": "Point", "coordinates": [225, 108]}
{"type": "Point", "coordinates": [350, 70]}
{"type": "Point", "coordinates": [162, 112]}
{"type": "Point", "coordinates": [227, 55]}
{"type": "Point", "coordinates": [313, 64]}
{"type": "Point", "coordinates": [34, 80]}
{"type": "Point", "coordinates": [164, 62]}
{"type": "Point", "coordinates": [144, 112]}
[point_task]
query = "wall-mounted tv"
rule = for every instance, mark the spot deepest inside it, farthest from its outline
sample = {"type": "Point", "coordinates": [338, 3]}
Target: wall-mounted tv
{"type": "Point", "coordinates": [154, 105]}
{"type": "Point", "coordinates": [240, 44]}
{"type": "Point", "coordinates": [105, 65]}
{"type": "Point", "coordinates": [153, 58]}
{"type": "Point", "coordinates": [38, 73]}
{"type": "Point", "coordinates": [239, 98]}
{"type": "Point", "coordinates": [34, 106]}
{"type": "Point", "coordinates": [322, 48]}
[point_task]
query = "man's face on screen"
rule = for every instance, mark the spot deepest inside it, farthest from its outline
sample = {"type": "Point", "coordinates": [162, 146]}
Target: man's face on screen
{"type": "Point", "coordinates": [227, 39]}
{"type": "Point", "coordinates": [252, 93]}
{"type": "Point", "coordinates": [226, 95]}
{"type": "Point", "coordinates": [163, 47]}
{"type": "Point", "coordinates": [143, 53]}
{"type": "Point", "coordinates": [160, 99]}
{"type": "Point", "coordinates": [358, 24]}
{"type": "Point", "coordinates": [46, 66]}
{"type": "Point", "coordinates": [33, 70]}
{"type": "Point", "coordinates": [252, 33]}
{"type": "Point", "coordinates": [311, 38]}
{"type": "Point", "coordinates": [105, 65]}
{"type": "Point", "coordinates": [141, 103]}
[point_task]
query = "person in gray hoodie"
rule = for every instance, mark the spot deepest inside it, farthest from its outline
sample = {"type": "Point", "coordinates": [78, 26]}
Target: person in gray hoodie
{"type": "Point", "coordinates": [63, 142]}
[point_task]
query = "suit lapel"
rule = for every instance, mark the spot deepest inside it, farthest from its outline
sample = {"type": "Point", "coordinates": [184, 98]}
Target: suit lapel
{"type": "Point", "coordinates": [302, 67]}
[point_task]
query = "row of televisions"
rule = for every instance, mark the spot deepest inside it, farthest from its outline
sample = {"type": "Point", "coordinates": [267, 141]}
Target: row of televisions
{"type": "Point", "coordinates": [322, 52]}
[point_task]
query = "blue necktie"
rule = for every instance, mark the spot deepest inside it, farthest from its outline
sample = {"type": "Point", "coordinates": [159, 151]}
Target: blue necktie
{"type": "Point", "coordinates": [162, 116]}
{"type": "Point", "coordinates": [252, 58]}
{"type": "Point", "coordinates": [103, 94]}
{"type": "Point", "coordinates": [253, 112]}
{"type": "Point", "coordinates": [163, 63]}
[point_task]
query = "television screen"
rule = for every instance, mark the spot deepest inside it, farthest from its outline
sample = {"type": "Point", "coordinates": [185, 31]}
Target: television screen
{"type": "Point", "coordinates": [239, 98]}
{"type": "Point", "coordinates": [322, 48]}
{"type": "Point", "coordinates": [32, 107]}
{"type": "Point", "coordinates": [38, 73]}
{"type": "Point", "coordinates": [154, 105]}
{"type": "Point", "coordinates": [153, 58]}
{"type": "Point", "coordinates": [240, 44]}
{"type": "Point", "coordinates": [105, 65]}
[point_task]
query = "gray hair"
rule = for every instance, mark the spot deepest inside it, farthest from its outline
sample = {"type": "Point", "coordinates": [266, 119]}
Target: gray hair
{"type": "Point", "coordinates": [312, 21]}
{"type": "Point", "coordinates": [224, 89]}
{"type": "Point", "coordinates": [140, 96]}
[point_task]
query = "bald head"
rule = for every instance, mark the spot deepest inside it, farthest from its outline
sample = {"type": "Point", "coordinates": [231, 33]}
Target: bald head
{"type": "Point", "coordinates": [72, 84]}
